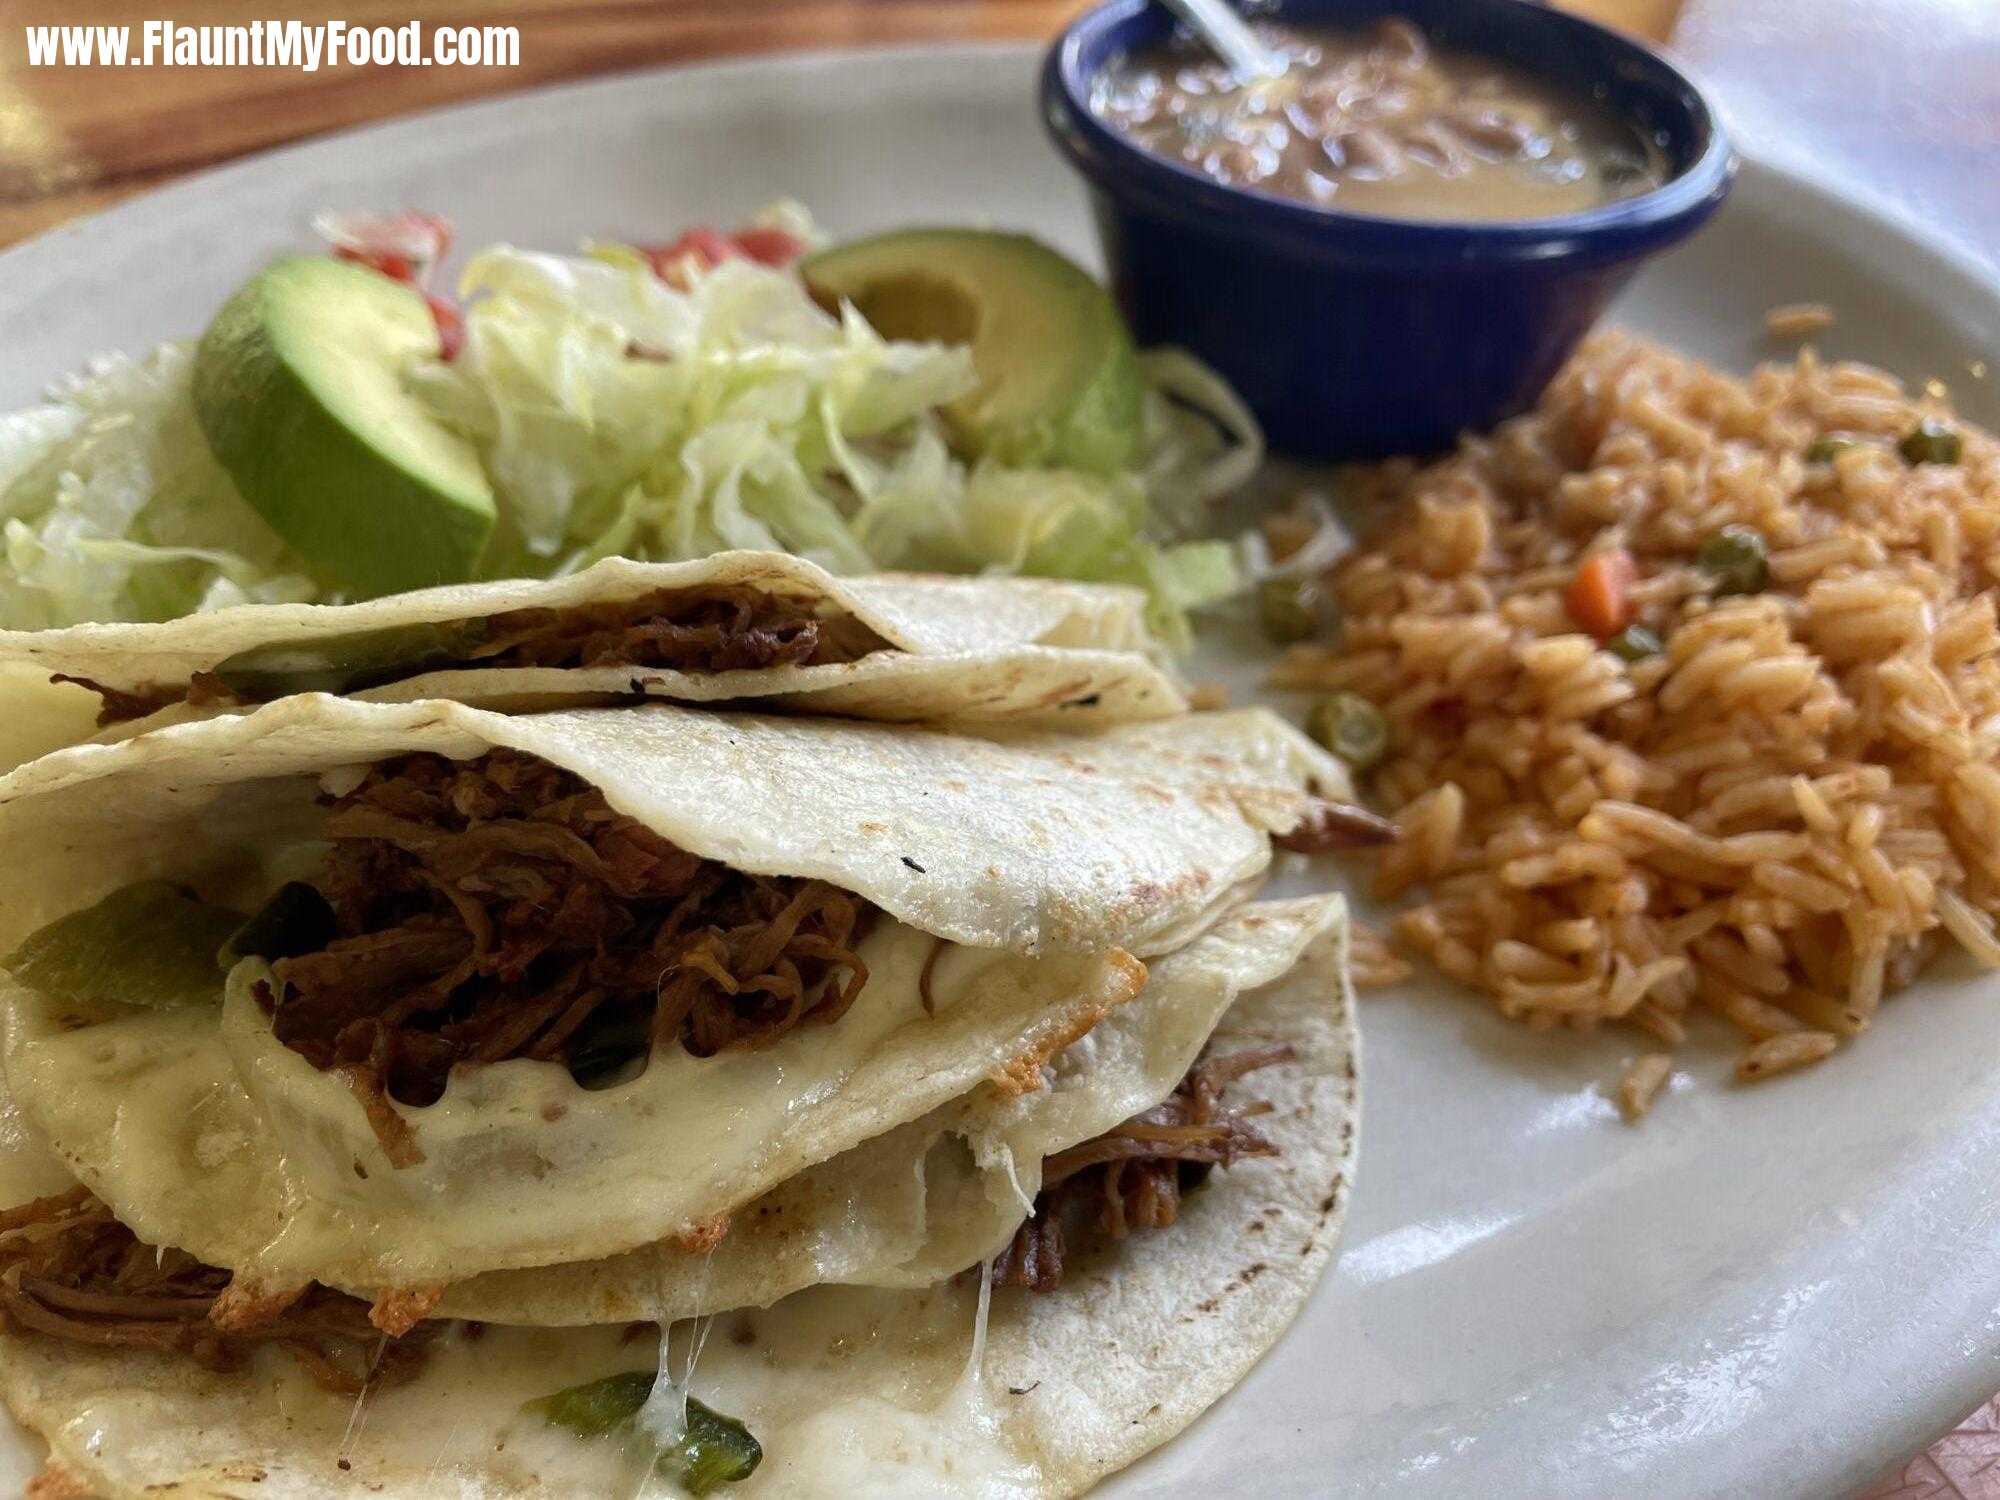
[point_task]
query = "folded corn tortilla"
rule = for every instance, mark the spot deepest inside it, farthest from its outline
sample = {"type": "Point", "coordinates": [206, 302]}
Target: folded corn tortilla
{"type": "Point", "coordinates": [932, 648]}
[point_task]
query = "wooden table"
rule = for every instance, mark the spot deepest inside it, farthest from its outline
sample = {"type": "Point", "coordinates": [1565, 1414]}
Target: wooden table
{"type": "Point", "coordinates": [1903, 96]}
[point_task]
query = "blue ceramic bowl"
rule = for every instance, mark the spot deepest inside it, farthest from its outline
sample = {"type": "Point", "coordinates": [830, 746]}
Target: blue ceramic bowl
{"type": "Point", "coordinates": [1352, 335]}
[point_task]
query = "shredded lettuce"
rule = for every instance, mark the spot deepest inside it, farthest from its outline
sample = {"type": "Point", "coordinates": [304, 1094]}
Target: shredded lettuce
{"type": "Point", "coordinates": [111, 507]}
{"type": "Point", "coordinates": [617, 414]}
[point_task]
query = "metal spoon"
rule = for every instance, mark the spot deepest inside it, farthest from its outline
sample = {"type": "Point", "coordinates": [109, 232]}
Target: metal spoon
{"type": "Point", "coordinates": [1226, 35]}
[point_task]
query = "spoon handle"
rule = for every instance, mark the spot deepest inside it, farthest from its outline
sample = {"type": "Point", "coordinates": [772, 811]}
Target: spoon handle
{"type": "Point", "coordinates": [1225, 33]}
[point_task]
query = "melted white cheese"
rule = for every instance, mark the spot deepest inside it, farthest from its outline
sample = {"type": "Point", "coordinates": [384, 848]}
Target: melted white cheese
{"type": "Point", "coordinates": [896, 1445]}
{"type": "Point", "coordinates": [214, 1137]}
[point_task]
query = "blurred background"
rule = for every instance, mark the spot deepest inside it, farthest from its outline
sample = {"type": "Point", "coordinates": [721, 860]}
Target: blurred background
{"type": "Point", "coordinates": [1903, 96]}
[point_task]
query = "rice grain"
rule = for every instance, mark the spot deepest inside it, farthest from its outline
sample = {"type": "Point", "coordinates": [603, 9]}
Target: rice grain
{"type": "Point", "coordinates": [1642, 1082]}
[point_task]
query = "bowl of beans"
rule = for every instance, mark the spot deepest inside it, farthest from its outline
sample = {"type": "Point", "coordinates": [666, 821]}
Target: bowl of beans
{"type": "Point", "coordinates": [1402, 235]}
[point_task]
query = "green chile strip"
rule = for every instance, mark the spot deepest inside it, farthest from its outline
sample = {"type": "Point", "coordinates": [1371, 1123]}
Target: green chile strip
{"type": "Point", "coordinates": [713, 1449]}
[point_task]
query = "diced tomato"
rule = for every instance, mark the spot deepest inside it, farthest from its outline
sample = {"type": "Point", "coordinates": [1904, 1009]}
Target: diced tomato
{"type": "Point", "coordinates": [768, 246]}
{"type": "Point", "coordinates": [402, 246]}
{"type": "Point", "coordinates": [451, 327]}
{"type": "Point", "coordinates": [708, 248]}
{"type": "Point", "coordinates": [395, 267]}
{"type": "Point", "coordinates": [1599, 597]}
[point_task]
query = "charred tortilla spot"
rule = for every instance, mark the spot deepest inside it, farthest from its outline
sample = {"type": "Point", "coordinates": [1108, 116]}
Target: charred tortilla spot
{"type": "Point", "coordinates": [698, 1239]}
{"type": "Point", "coordinates": [1151, 893]}
{"type": "Point", "coordinates": [397, 1312]}
{"type": "Point", "coordinates": [1023, 1073]}
{"type": "Point", "coordinates": [247, 1305]}
{"type": "Point", "coordinates": [58, 1483]}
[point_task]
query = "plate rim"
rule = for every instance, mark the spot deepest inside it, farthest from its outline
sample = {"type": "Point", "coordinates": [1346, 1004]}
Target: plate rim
{"type": "Point", "coordinates": [1953, 275]}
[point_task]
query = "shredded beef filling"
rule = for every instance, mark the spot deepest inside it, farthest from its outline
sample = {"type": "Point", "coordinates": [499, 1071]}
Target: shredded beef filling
{"type": "Point", "coordinates": [1134, 1176]}
{"type": "Point", "coordinates": [476, 911]}
{"type": "Point", "coordinates": [709, 630]}
{"type": "Point", "coordinates": [116, 705]}
{"type": "Point", "coordinates": [1329, 826]}
{"type": "Point", "coordinates": [685, 630]}
{"type": "Point", "coordinates": [69, 1270]}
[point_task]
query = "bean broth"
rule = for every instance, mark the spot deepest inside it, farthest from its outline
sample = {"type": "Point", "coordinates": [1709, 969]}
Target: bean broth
{"type": "Point", "coordinates": [1381, 122]}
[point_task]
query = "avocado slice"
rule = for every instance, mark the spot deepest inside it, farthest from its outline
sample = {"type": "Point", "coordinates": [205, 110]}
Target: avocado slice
{"type": "Point", "coordinates": [350, 663]}
{"type": "Point", "coordinates": [298, 387]}
{"type": "Point", "coordinates": [1059, 380]}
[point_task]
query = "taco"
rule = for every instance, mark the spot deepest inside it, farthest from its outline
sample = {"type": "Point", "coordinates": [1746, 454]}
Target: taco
{"type": "Point", "coordinates": [747, 627]}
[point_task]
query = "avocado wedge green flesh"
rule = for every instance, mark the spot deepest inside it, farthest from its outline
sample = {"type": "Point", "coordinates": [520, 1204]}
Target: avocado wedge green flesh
{"type": "Point", "coordinates": [350, 663]}
{"type": "Point", "coordinates": [298, 385]}
{"type": "Point", "coordinates": [1058, 378]}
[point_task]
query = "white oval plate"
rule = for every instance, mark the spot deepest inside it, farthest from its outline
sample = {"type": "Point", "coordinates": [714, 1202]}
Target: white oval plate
{"type": "Point", "coordinates": [1770, 1291]}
